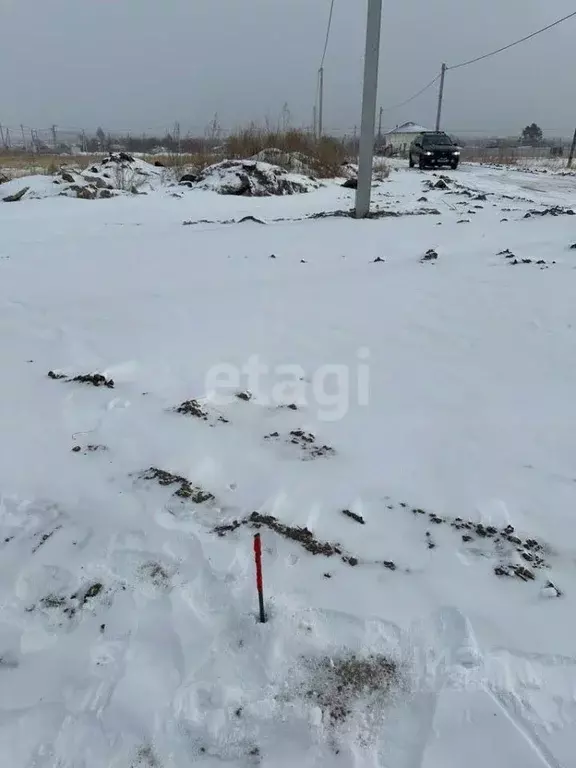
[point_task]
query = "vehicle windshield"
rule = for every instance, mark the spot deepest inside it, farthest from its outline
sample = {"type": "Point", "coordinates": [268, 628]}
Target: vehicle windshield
{"type": "Point", "coordinates": [435, 140]}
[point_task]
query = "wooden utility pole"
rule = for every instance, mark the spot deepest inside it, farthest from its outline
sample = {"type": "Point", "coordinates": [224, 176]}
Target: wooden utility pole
{"type": "Point", "coordinates": [321, 103]}
{"type": "Point", "coordinates": [440, 96]}
{"type": "Point", "coordinates": [572, 150]}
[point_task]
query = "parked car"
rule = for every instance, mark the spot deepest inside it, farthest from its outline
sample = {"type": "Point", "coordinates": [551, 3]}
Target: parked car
{"type": "Point", "coordinates": [434, 149]}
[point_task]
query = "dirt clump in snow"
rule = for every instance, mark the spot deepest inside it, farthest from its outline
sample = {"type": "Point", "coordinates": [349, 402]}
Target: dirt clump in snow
{"type": "Point", "coordinates": [249, 178]}
{"type": "Point", "coordinates": [192, 408]}
{"type": "Point", "coordinates": [156, 573]}
{"type": "Point", "coordinates": [354, 516]}
{"type": "Point", "coordinates": [16, 196]}
{"type": "Point", "coordinates": [519, 571]}
{"type": "Point", "coordinates": [504, 541]}
{"type": "Point", "coordinates": [338, 684]}
{"type": "Point", "coordinates": [196, 410]}
{"type": "Point", "coordinates": [442, 183]}
{"type": "Point", "coordinates": [188, 179]}
{"type": "Point", "coordinates": [90, 448]}
{"type": "Point", "coordinates": [555, 210]}
{"type": "Point", "coordinates": [186, 489]}
{"type": "Point", "coordinates": [302, 536]}
{"type": "Point", "coordinates": [71, 605]}
{"type": "Point", "coordinates": [96, 379]}
{"type": "Point", "coordinates": [306, 441]}
{"type": "Point", "coordinates": [146, 758]}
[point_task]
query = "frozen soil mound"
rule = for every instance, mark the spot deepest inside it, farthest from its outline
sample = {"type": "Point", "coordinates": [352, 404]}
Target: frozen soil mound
{"type": "Point", "coordinates": [250, 178]}
{"type": "Point", "coordinates": [119, 172]}
{"type": "Point", "coordinates": [115, 174]}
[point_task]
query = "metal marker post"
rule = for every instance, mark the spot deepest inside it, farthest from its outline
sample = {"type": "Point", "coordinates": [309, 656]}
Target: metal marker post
{"type": "Point", "coordinates": [259, 586]}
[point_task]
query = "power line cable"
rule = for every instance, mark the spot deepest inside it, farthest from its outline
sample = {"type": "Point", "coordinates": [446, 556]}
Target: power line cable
{"type": "Point", "coordinates": [415, 96]}
{"type": "Point", "coordinates": [327, 33]}
{"type": "Point", "coordinates": [517, 42]}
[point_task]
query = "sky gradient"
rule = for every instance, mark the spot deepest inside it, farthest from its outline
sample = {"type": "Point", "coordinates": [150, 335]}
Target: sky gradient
{"type": "Point", "coordinates": [140, 65]}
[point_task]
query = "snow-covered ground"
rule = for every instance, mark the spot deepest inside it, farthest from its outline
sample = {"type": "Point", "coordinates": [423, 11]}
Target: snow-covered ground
{"type": "Point", "coordinates": [431, 398]}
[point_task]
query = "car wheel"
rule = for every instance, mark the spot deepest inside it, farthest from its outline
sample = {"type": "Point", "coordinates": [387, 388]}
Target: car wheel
{"type": "Point", "coordinates": [411, 162]}
{"type": "Point", "coordinates": [454, 165]}
{"type": "Point", "coordinates": [422, 164]}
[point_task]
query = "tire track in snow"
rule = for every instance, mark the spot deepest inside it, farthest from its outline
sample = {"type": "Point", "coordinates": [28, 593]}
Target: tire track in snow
{"type": "Point", "coordinates": [508, 704]}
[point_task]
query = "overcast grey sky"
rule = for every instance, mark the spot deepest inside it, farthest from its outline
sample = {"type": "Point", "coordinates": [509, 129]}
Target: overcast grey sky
{"type": "Point", "coordinates": [142, 64]}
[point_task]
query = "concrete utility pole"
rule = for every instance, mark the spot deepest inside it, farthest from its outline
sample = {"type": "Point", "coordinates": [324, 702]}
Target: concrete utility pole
{"type": "Point", "coordinates": [314, 123]}
{"type": "Point", "coordinates": [321, 103]}
{"type": "Point", "coordinates": [572, 149]}
{"type": "Point", "coordinates": [54, 137]}
{"type": "Point", "coordinates": [380, 124]}
{"type": "Point", "coordinates": [2, 137]}
{"type": "Point", "coordinates": [23, 138]}
{"type": "Point", "coordinates": [366, 153]}
{"type": "Point", "coordinates": [440, 96]}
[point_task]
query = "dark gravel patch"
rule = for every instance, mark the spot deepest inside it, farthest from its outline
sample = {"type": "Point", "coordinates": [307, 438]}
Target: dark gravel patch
{"type": "Point", "coordinates": [186, 490]}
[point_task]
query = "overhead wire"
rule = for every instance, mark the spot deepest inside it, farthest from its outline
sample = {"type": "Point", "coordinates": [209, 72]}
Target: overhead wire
{"type": "Point", "coordinates": [481, 58]}
{"type": "Point", "coordinates": [328, 29]}
{"type": "Point", "coordinates": [516, 42]}
{"type": "Point", "coordinates": [415, 96]}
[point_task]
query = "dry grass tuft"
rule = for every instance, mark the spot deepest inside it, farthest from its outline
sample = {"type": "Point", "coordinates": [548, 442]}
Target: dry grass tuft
{"type": "Point", "coordinates": [338, 684]}
{"type": "Point", "coordinates": [298, 150]}
{"type": "Point", "coordinates": [324, 157]}
{"type": "Point", "coordinates": [492, 156]}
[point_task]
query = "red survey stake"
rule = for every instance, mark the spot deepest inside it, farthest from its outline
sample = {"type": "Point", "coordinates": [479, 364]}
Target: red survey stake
{"type": "Point", "coordinates": [259, 586]}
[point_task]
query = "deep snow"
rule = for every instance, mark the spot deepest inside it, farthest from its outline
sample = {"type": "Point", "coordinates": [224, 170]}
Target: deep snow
{"type": "Point", "coordinates": [128, 633]}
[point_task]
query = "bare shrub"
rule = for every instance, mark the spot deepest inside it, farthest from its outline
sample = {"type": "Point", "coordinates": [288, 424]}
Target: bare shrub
{"type": "Point", "coordinates": [323, 157]}
{"type": "Point", "coordinates": [196, 161]}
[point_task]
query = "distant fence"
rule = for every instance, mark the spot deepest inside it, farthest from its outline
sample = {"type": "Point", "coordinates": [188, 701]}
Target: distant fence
{"type": "Point", "coordinates": [546, 156]}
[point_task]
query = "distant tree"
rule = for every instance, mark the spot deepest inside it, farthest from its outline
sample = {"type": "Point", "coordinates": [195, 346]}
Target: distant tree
{"type": "Point", "coordinates": [101, 137]}
{"type": "Point", "coordinates": [92, 145]}
{"type": "Point", "coordinates": [285, 118]}
{"type": "Point", "coordinates": [532, 135]}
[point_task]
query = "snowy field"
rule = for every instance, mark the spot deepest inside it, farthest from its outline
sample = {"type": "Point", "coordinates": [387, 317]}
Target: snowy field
{"type": "Point", "coordinates": [407, 394]}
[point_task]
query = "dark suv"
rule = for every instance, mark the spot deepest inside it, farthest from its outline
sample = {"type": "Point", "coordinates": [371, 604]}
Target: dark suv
{"type": "Point", "coordinates": [434, 148]}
